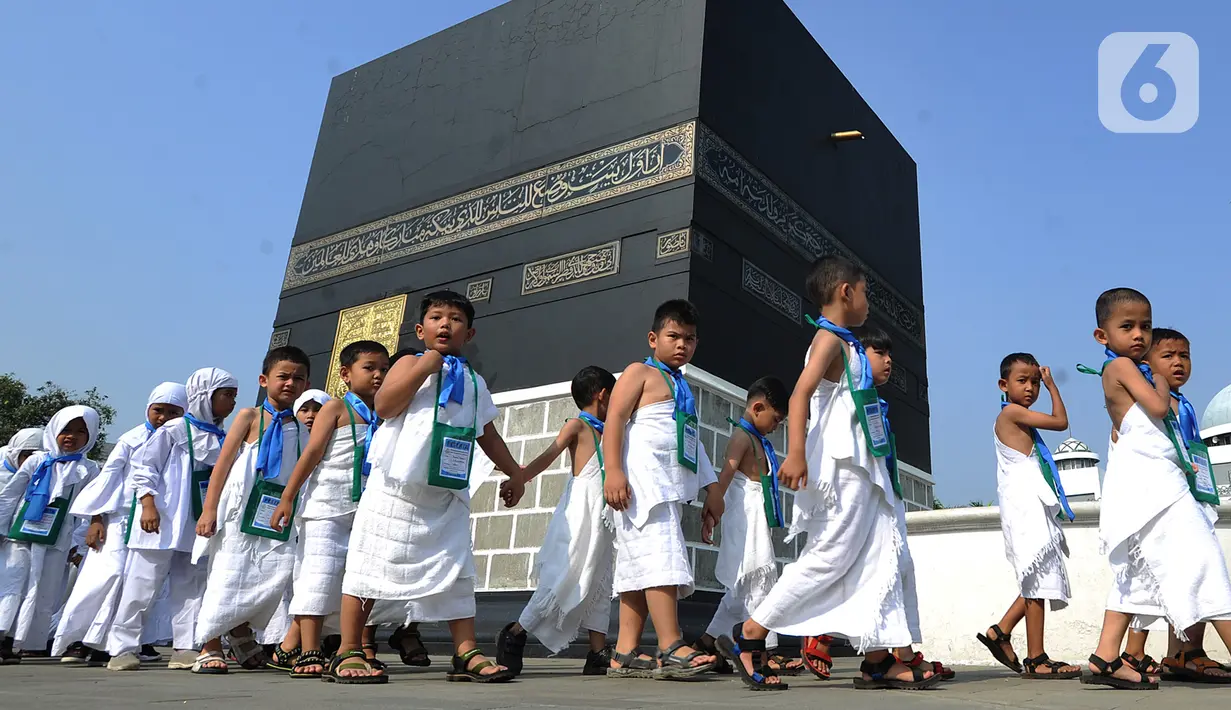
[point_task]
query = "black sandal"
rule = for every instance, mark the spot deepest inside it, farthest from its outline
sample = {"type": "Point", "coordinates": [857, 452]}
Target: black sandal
{"type": "Point", "coordinates": [461, 673]}
{"type": "Point", "coordinates": [998, 652]}
{"type": "Point", "coordinates": [597, 663]}
{"type": "Point", "coordinates": [632, 665]}
{"type": "Point", "coordinates": [784, 666]}
{"type": "Point", "coordinates": [878, 680]}
{"type": "Point", "coordinates": [416, 654]}
{"type": "Point", "coordinates": [511, 648]}
{"type": "Point", "coordinates": [1146, 665]}
{"type": "Point", "coordinates": [309, 658]}
{"type": "Point", "coordinates": [281, 660]}
{"type": "Point", "coordinates": [673, 667]}
{"type": "Point", "coordinates": [731, 648]}
{"type": "Point", "coordinates": [1032, 666]}
{"type": "Point", "coordinates": [349, 658]}
{"type": "Point", "coordinates": [723, 666]}
{"type": "Point", "coordinates": [1104, 676]}
{"type": "Point", "coordinates": [376, 663]}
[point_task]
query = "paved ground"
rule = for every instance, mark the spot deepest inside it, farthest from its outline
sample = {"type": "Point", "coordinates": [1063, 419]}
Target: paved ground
{"type": "Point", "coordinates": [555, 684]}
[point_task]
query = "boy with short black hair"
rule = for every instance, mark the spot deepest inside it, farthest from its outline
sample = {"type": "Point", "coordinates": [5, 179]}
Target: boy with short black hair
{"type": "Point", "coordinates": [748, 486]}
{"type": "Point", "coordinates": [1031, 499]}
{"type": "Point", "coordinates": [845, 502]}
{"type": "Point", "coordinates": [1164, 556]}
{"type": "Point", "coordinates": [411, 537]}
{"type": "Point", "coordinates": [573, 566]}
{"type": "Point", "coordinates": [655, 464]}
{"type": "Point", "coordinates": [1170, 357]}
{"type": "Point", "coordinates": [35, 530]}
{"type": "Point", "coordinates": [334, 467]}
{"type": "Point", "coordinates": [250, 563]}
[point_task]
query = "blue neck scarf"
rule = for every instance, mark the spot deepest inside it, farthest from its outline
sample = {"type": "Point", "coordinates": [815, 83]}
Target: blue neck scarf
{"type": "Point", "coordinates": [206, 427]}
{"type": "Point", "coordinates": [373, 422]}
{"type": "Point", "coordinates": [1142, 366]}
{"type": "Point", "coordinates": [9, 467]}
{"type": "Point", "coordinates": [1188, 418]}
{"type": "Point", "coordinates": [453, 389]}
{"type": "Point", "coordinates": [149, 429]}
{"type": "Point", "coordinates": [1045, 453]}
{"type": "Point", "coordinates": [684, 401]}
{"type": "Point", "coordinates": [269, 455]}
{"type": "Point", "coordinates": [592, 420]}
{"type": "Point", "coordinates": [865, 370]}
{"type": "Point", "coordinates": [38, 492]}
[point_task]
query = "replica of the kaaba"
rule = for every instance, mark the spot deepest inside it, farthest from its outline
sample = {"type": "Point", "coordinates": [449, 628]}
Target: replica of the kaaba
{"type": "Point", "coordinates": [571, 164]}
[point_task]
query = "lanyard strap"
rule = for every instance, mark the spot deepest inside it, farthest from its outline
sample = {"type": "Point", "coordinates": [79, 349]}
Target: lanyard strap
{"type": "Point", "coordinates": [192, 455]}
{"type": "Point", "coordinates": [598, 447]}
{"type": "Point", "coordinates": [473, 381]}
{"type": "Point", "coordinates": [356, 457]}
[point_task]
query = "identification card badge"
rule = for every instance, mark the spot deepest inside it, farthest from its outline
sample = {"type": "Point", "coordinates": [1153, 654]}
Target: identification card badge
{"type": "Point", "coordinates": [1202, 480]}
{"type": "Point", "coordinates": [259, 512]}
{"type": "Point", "coordinates": [200, 485]}
{"type": "Point", "coordinates": [868, 408]}
{"type": "Point", "coordinates": [45, 530]}
{"type": "Point", "coordinates": [452, 453]}
{"type": "Point", "coordinates": [687, 440]}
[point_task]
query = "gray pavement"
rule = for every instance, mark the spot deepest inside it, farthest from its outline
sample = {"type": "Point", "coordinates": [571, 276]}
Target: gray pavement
{"type": "Point", "coordinates": [556, 684]}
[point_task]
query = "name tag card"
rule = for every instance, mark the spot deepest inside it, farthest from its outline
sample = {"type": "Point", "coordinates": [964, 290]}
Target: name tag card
{"type": "Point", "coordinates": [1201, 482]}
{"type": "Point", "coordinates": [687, 440]}
{"type": "Point", "coordinates": [259, 512]}
{"type": "Point", "coordinates": [43, 531]}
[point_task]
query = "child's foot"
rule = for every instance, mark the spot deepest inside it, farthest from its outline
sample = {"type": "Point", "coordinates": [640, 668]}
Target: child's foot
{"type": "Point", "coordinates": [739, 653]}
{"type": "Point", "coordinates": [511, 647]}
{"type": "Point", "coordinates": [1116, 674]}
{"type": "Point", "coordinates": [1196, 667]}
{"type": "Point", "coordinates": [1043, 668]}
{"type": "Point", "coordinates": [1001, 647]}
{"type": "Point", "coordinates": [633, 664]}
{"type": "Point", "coordinates": [76, 654]}
{"type": "Point", "coordinates": [369, 653]}
{"type": "Point", "coordinates": [283, 659]}
{"type": "Point", "coordinates": [706, 643]}
{"type": "Point", "coordinates": [310, 664]}
{"type": "Point", "coordinates": [1145, 665]}
{"type": "Point", "coordinates": [779, 664]}
{"type": "Point", "coordinates": [351, 668]}
{"type": "Point", "coordinates": [679, 660]}
{"type": "Point", "coordinates": [472, 666]}
{"type": "Point", "coordinates": [409, 645]}
{"type": "Point", "coordinates": [597, 663]}
{"type": "Point", "coordinates": [124, 662]}
{"type": "Point", "coordinates": [891, 674]}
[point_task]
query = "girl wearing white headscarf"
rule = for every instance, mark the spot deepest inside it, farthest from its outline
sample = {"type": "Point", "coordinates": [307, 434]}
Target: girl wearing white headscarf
{"type": "Point", "coordinates": [34, 512]}
{"type": "Point", "coordinates": [315, 399]}
{"type": "Point", "coordinates": [107, 502]}
{"type": "Point", "coordinates": [166, 476]}
{"type": "Point", "coordinates": [20, 447]}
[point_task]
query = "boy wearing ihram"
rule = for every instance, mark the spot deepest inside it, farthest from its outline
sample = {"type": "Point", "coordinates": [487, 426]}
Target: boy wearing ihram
{"type": "Point", "coordinates": [1031, 499]}
{"type": "Point", "coordinates": [1159, 537]}
{"type": "Point", "coordinates": [411, 537]}
{"type": "Point", "coordinates": [573, 567]}
{"type": "Point", "coordinates": [656, 463]}
{"type": "Point", "coordinates": [848, 579]}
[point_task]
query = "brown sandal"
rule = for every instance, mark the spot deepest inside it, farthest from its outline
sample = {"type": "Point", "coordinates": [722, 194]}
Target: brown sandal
{"type": "Point", "coordinates": [1177, 668]}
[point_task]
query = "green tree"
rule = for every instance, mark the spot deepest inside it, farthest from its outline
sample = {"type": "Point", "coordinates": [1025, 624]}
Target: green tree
{"type": "Point", "coordinates": [20, 408]}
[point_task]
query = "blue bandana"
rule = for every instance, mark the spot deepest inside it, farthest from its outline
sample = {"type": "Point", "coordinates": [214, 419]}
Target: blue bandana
{"type": "Point", "coordinates": [453, 389]}
{"type": "Point", "coordinates": [149, 429]}
{"type": "Point", "coordinates": [1041, 447]}
{"type": "Point", "coordinates": [865, 370]}
{"type": "Point", "coordinates": [269, 455]}
{"type": "Point", "coordinates": [373, 422]}
{"type": "Point", "coordinates": [1188, 418]}
{"type": "Point", "coordinates": [9, 467]}
{"type": "Point", "coordinates": [684, 401]}
{"type": "Point", "coordinates": [592, 420]}
{"type": "Point", "coordinates": [206, 427]}
{"type": "Point", "coordinates": [38, 492]}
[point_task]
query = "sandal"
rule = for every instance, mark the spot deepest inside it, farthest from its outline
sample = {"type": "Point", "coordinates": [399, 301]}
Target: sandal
{"type": "Point", "coordinates": [597, 663]}
{"type": "Point", "coordinates": [722, 667]}
{"type": "Point", "coordinates": [1104, 676]}
{"type": "Point", "coordinates": [1032, 667]}
{"type": "Point", "coordinates": [462, 673]}
{"type": "Point", "coordinates": [673, 667]}
{"type": "Point", "coordinates": [632, 665]}
{"type": "Point", "coordinates": [1145, 665]}
{"type": "Point", "coordinates": [996, 646]}
{"type": "Point", "coordinates": [878, 681]}
{"type": "Point", "coordinates": [511, 648]}
{"type": "Point", "coordinates": [306, 659]}
{"type": "Point", "coordinates": [248, 653]}
{"type": "Point", "coordinates": [731, 650]}
{"type": "Point", "coordinates": [201, 667]}
{"type": "Point", "coordinates": [784, 666]}
{"type": "Point", "coordinates": [936, 667]}
{"type": "Point", "coordinates": [373, 661]}
{"type": "Point", "coordinates": [281, 660]}
{"type": "Point", "coordinates": [352, 661]}
{"type": "Point", "coordinates": [416, 653]}
{"type": "Point", "coordinates": [815, 659]}
{"type": "Point", "coordinates": [1177, 668]}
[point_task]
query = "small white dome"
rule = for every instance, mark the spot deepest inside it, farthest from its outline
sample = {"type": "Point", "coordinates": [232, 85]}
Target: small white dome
{"type": "Point", "coordinates": [1218, 413]}
{"type": "Point", "coordinates": [1071, 446]}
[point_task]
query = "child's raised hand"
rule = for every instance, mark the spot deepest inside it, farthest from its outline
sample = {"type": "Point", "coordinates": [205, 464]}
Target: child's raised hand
{"type": "Point", "coordinates": [794, 473]}
{"type": "Point", "coordinates": [207, 524]}
{"type": "Point", "coordinates": [1047, 379]}
{"type": "Point", "coordinates": [281, 516]}
{"type": "Point", "coordinates": [96, 536]}
{"type": "Point", "coordinates": [616, 489]}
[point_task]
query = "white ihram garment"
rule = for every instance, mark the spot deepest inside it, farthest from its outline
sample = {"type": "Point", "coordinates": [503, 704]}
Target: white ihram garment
{"type": "Point", "coordinates": [1033, 541]}
{"type": "Point", "coordinates": [746, 565]}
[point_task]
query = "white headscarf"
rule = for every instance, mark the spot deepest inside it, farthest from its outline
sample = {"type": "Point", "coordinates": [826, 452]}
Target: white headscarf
{"type": "Point", "coordinates": [318, 396]}
{"type": "Point", "coordinates": [172, 393]}
{"type": "Point", "coordinates": [29, 439]}
{"type": "Point", "coordinates": [200, 387]}
{"type": "Point", "coordinates": [60, 420]}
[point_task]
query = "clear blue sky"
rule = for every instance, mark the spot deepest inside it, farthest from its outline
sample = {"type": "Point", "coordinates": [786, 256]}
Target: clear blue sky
{"type": "Point", "coordinates": [153, 150]}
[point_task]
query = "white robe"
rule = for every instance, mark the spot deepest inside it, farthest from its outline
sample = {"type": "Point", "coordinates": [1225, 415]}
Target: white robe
{"type": "Point", "coordinates": [1033, 541]}
{"type": "Point", "coordinates": [746, 564]}
{"type": "Point", "coordinates": [248, 575]}
{"type": "Point", "coordinates": [573, 569]}
{"type": "Point", "coordinates": [650, 546]}
{"type": "Point", "coordinates": [91, 605]}
{"type": "Point", "coordinates": [32, 575]}
{"type": "Point", "coordinates": [848, 579]}
{"type": "Point", "coordinates": [411, 541]}
{"type": "Point", "coordinates": [1164, 555]}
